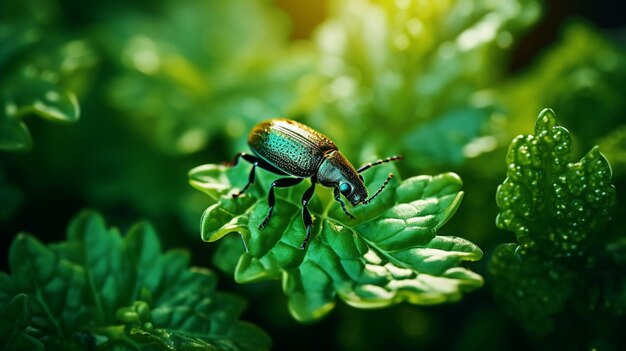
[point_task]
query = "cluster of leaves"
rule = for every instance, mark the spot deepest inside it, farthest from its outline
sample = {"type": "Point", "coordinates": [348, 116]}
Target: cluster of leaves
{"type": "Point", "coordinates": [558, 211]}
{"type": "Point", "coordinates": [101, 289]}
{"type": "Point", "coordinates": [390, 253]}
{"type": "Point", "coordinates": [424, 68]}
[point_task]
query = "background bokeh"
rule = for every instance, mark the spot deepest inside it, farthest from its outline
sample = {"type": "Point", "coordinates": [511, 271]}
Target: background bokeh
{"type": "Point", "coordinates": [164, 86]}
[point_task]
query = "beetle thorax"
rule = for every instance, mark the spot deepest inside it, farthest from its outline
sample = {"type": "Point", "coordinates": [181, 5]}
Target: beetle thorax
{"type": "Point", "coordinates": [336, 169]}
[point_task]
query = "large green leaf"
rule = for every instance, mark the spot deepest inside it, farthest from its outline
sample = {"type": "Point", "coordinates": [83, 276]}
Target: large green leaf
{"type": "Point", "coordinates": [558, 211]}
{"type": "Point", "coordinates": [102, 288]}
{"type": "Point", "coordinates": [553, 205]}
{"type": "Point", "coordinates": [390, 253]}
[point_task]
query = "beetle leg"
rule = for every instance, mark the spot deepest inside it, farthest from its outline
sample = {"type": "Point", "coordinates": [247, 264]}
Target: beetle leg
{"type": "Point", "coordinates": [271, 200]}
{"type": "Point", "coordinates": [250, 180]}
{"type": "Point", "coordinates": [247, 157]}
{"type": "Point", "coordinates": [343, 204]}
{"type": "Point", "coordinates": [306, 215]}
{"type": "Point", "coordinates": [253, 159]}
{"type": "Point", "coordinates": [256, 162]}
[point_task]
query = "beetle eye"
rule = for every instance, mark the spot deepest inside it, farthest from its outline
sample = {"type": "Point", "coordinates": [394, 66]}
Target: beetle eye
{"type": "Point", "coordinates": [345, 189]}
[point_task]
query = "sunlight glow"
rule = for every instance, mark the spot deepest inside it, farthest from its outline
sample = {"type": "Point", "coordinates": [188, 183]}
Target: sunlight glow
{"type": "Point", "coordinates": [143, 56]}
{"type": "Point", "coordinates": [479, 146]}
{"type": "Point", "coordinates": [192, 140]}
{"type": "Point", "coordinates": [483, 32]}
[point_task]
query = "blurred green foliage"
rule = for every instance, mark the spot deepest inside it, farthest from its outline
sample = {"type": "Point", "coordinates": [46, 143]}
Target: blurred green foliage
{"type": "Point", "coordinates": [198, 70]}
{"type": "Point", "coordinates": [421, 70]}
{"type": "Point", "coordinates": [580, 77]}
{"type": "Point", "coordinates": [40, 71]}
{"type": "Point", "coordinates": [164, 86]}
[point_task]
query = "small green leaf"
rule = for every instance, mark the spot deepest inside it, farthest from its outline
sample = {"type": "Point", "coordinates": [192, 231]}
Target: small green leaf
{"type": "Point", "coordinates": [553, 205]}
{"type": "Point", "coordinates": [139, 312]}
{"type": "Point", "coordinates": [13, 132]}
{"type": "Point", "coordinates": [108, 272]}
{"type": "Point", "coordinates": [33, 97]}
{"type": "Point", "coordinates": [38, 83]}
{"type": "Point", "coordinates": [172, 341]}
{"type": "Point", "coordinates": [390, 253]}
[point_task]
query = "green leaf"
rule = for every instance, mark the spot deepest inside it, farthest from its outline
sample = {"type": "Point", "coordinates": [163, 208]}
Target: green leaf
{"type": "Point", "coordinates": [101, 287]}
{"type": "Point", "coordinates": [33, 97]}
{"type": "Point", "coordinates": [54, 285]}
{"type": "Point", "coordinates": [228, 252]}
{"type": "Point", "coordinates": [558, 211]}
{"type": "Point", "coordinates": [554, 206]}
{"type": "Point", "coordinates": [171, 341]}
{"type": "Point", "coordinates": [13, 132]}
{"type": "Point", "coordinates": [109, 274]}
{"type": "Point", "coordinates": [14, 319]}
{"type": "Point", "coordinates": [390, 253]}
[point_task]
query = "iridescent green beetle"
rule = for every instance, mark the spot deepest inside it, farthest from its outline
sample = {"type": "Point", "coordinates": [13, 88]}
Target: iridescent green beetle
{"type": "Point", "coordinates": [286, 147]}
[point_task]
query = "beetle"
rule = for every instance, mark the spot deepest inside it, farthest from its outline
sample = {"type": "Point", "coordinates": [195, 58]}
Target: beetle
{"type": "Point", "coordinates": [286, 147]}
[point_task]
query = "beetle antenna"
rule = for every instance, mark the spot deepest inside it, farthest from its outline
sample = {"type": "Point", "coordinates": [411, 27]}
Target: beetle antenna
{"type": "Point", "coordinates": [379, 162]}
{"type": "Point", "coordinates": [379, 190]}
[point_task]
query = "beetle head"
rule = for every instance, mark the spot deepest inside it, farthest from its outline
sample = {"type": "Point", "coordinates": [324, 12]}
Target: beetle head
{"type": "Point", "coordinates": [336, 171]}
